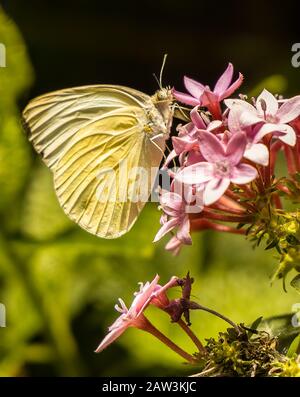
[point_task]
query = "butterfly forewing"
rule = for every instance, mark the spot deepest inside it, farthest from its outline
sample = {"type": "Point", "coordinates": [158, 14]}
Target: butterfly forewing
{"type": "Point", "coordinates": [95, 141]}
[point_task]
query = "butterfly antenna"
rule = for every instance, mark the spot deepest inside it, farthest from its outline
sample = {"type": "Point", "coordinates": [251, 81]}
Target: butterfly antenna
{"type": "Point", "coordinates": [156, 79]}
{"type": "Point", "coordinates": [162, 70]}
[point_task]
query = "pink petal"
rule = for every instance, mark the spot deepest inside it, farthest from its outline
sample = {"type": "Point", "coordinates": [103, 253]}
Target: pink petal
{"type": "Point", "coordinates": [289, 110]}
{"type": "Point", "coordinates": [258, 153]}
{"type": "Point", "coordinates": [243, 173]}
{"type": "Point", "coordinates": [215, 189]}
{"type": "Point", "coordinates": [213, 125]}
{"type": "Point", "coordinates": [196, 173]}
{"type": "Point", "coordinates": [112, 336]}
{"type": "Point", "coordinates": [174, 245]}
{"type": "Point", "coordinates": [184, 144]}
{"type": "Point", "coordinates": [194, 156]}
{"type": "Point", "coordinates": [249, 118]}
{"type": "Point", "coordinates": [197, 119]}
{"type": "Point", "coordinates": [234, 118]}
{"type": "Point", "coordinates": [166, 228]}
{"type": "Point", "coordinates": [236, 147]}
{"type": "Point", "coordinates": [193, 87]}
{"type": "Point", "coordinates": [172, 200]}
{"type": "Point", "coordinates": [232, 88]}
{"type": "Point", "coordinates": [239, 102]}
{"type": "Point", "coordinates": [209, 98]}
{"type": "Point", "coordinates": [224, 81]}
{"type": "Point", "coordinates": [183, 232]}
{"type": "Point", "coordinates": [271, 102]}
{"type": "Point", "coordinates": [171, 156]}
{"type": "Point", "coordinates": [211, 147]}
{"type": "Point", "coordinates": [142, 300]}
{"type": "Point", "coordinates": [289, 135]}
{"type": "Point", "coordinates": [185, 98]}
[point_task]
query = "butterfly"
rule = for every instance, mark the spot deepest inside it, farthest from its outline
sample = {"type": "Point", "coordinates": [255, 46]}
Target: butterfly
{"type": "Point", "coordinates": [96, 140]}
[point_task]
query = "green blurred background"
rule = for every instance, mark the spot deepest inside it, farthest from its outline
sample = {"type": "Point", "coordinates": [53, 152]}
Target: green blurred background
{"type": "Point", "coordinates": [59, 284]}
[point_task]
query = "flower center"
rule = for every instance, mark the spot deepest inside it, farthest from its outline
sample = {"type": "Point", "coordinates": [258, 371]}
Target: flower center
{"type": "Point", "coordinates": [271, 119]}
{"type": "Point", "coordinates": [222, 168]}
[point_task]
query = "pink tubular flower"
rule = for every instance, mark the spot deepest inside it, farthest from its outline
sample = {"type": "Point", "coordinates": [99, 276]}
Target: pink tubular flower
{"type": "Point", "coordinates": [271, 118]}
{"type": "Point", "coordinates": [223, 165]}
{"type": "Point", "coordinates": [203, 96]}
{"type": "Point", "coordinates": [174, 215]}
{"type": "Point", "coordinates": [132, 317]}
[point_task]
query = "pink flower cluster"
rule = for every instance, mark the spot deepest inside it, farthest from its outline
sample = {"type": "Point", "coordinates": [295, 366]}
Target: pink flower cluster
{"type": "Point", "coordinates": [228, 145]}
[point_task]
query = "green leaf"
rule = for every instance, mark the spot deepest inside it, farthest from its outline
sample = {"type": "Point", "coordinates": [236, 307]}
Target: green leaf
{"type": "Point", "coordinates": [282, 328]}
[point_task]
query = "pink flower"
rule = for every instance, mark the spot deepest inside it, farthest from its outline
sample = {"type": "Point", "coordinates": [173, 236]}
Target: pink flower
{"type": "Point", "coordinates": [255, 151]}
{"type": "Point", "coordinates": [174, 215]}
{"type": "Point", "coordinates": [203, 96]}
{"type": "Point", "coordinates": [271, 118]}
{"type": "Point", "coordinates": [223, 165]}
{"type": "Point", "coordinates": [132, 317]}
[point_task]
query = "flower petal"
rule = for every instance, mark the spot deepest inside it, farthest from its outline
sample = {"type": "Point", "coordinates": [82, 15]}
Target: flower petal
{"type": "Point", "coordinates": [112, 336]}
{"type": "Point", "coordinates": [234, 86]}
{"type": "Point", "coordinates": [224, 81]}
{"type": "Point", "coordinates": [196, 173]}
{"type": "Point", "coordinates": [185, 98]}
{"type": "Point", "coordinates": [209, 98]}
{"type": "Point", "coordinates": [211, 147]}
{"type": "Point", "coordinates": [243, 173]}
{"type": "Point", "coordinates": [215, 189]}
{"type": "Point", "coordinates": [270, 101]}
{"type": "Point", "coordinates": [197, 119]}
{"type": "Point", "coordinates": [258, 153]}
{"type": "Point", "coordinates": [193, 87]}
{"type": "Point", "coordinates": [183, 232]}
{"type": "Point", "coordinates": [289, 110]}
{"type": "Point", "coordinates": [166, 228]}
{"type": "Point", "coordinates": [183, 144]}
{"type": "Point", "coordinates": [288, 135]}
{"type": "Point", "coordinates": [236, 147]}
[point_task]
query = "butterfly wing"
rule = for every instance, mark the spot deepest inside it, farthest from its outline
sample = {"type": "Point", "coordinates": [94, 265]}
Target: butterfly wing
{"type": "Point", "coordinates": [99, 151]}
{"type": "Point", "coordinates": [53, 119]}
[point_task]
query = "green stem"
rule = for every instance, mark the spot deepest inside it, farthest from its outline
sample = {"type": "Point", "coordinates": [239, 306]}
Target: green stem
{"type": "Point", "coordinates": [200, 307]}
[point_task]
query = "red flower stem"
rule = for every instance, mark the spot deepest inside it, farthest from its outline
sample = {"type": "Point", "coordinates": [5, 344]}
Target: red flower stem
{"type": "Point", "coordinates": [275, 147]}
{"type": "Point", "coordinates": [236, 198]}
{"type": "Point", "coordinates": [191, 334]}
{"type": "Point", "coordinates": [277, 201]}
{"type": "Point", "coordinates": [284, 189]}
{"type": "Point", "coordinates": [260, 180]}
{"type": "Point", "coordinates": [267, 168]}
{"type": "Point", "coordinates": [215, 110]}
{"type": "Point", "coordinates": [155, 332]}
{"type": "Point", "coordinates": [224, 208]}
{"type": "Point", "coordinates": [207, 213]}
{"type": "Point", "coordinates": [289, 160]}
{"type": "Point", "coordinates": [295, 151]}
{"type": "Point", "coordinates": [204, 224]}
{"type": "Point", "coordinates": [227, 229]}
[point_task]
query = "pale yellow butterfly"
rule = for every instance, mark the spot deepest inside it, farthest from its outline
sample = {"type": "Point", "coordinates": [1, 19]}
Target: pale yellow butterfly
{"type": "Point", "coordinates": [85, 133]}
